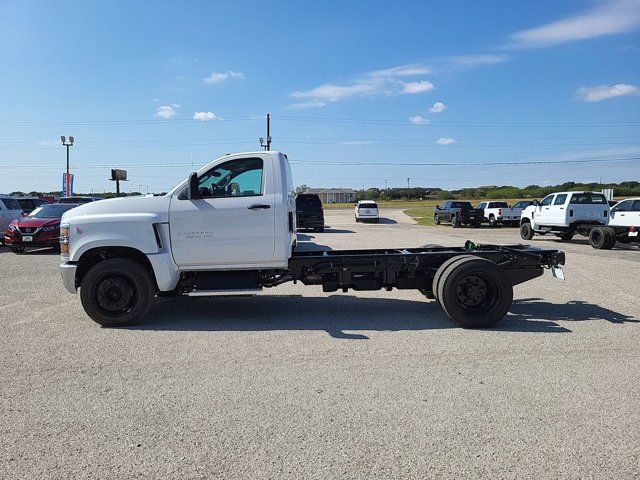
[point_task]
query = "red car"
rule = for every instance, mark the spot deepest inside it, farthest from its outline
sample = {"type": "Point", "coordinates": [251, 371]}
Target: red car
{"type": "Point", "coordinates": [41, 228]}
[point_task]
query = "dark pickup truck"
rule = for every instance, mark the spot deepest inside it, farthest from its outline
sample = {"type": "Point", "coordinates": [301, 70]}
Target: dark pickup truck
{"type": "Point", "coordinates": [458, 213]}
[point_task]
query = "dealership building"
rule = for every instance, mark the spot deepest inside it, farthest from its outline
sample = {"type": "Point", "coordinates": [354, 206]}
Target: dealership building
{"type": "Point", "coordinates": [334, 195]}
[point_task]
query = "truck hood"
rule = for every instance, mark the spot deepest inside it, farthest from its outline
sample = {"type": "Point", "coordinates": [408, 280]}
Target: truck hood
{"type": "Point", "coordinates": [156, 208]}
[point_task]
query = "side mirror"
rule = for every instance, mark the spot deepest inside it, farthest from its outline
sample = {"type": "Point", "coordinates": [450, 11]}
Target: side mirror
{"type": "Point", "coordinates": [193, 192]}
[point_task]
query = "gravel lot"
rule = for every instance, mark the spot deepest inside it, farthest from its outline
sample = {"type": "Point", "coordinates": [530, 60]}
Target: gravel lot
{"type": "Point", "coordinates": [360, 385]}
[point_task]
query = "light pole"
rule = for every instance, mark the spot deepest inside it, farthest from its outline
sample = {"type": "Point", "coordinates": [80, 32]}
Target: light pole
{"type": "Point", "coordinates": [140, 189]}
{"type": "Point", "coordinates": [67, 144]}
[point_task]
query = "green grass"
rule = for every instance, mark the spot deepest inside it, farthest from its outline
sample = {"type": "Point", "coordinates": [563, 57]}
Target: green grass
{"type": "Point", "coordinates": [422, 215]}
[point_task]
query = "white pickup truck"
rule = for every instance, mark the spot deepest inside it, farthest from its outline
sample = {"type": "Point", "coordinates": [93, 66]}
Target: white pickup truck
{"type": "Point", "coordinates": [229, 229]}
{"type": "Point", "coordinates": [623, 226]}
{"type": "Point", "coordinates": [565, 214]}
{"type": "Point", "coordinates": [500, 213]}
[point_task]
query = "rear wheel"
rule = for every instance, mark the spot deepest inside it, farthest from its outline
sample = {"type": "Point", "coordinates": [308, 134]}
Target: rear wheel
{"type": "Point", "coordinates": [440, 272]}
{"type": "Point", "coordinates": [599, 238]}
{"type": "Point", "coordinates": [474, 292]}
{"type": "Point", "coordinates": [117, 292]}
{"type": "Point", "coordinates": [17, 249]}
{"type": "Point", "coordinates": [454, 222]}
{"type": "Point", "coordinates": [526, 232]}
{"type": "Point", "coordinates": [493, 222]}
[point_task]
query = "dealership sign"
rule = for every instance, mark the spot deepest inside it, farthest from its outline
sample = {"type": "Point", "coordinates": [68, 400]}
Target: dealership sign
{"type": "Point", "coordinates": [67, 185]}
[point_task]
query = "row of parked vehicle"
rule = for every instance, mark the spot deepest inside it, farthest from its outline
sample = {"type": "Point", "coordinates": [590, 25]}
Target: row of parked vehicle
{"type": "Point", "coordinates": [32, 222]}
{"type": "Point", "coordinates": [494, 213]}
{"type": "Point", "coordinates": [563, 214]}
{"type": "Point", "coordinates": [566, 214]}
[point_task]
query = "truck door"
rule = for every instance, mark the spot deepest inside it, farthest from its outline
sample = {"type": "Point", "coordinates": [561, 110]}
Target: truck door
{"type": "Point", "coordinates": [558, 210]}
{"type": "Point", "coordinates": [622, 213]}
{"type": "Point", "coordinates": [234, 221]}
{"type": "Point", "coordinates": [543, 211]}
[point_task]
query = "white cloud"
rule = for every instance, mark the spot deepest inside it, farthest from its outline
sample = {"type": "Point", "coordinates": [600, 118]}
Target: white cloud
{"type": "Point", "coordinates": [417, 87]}
{"type": "Point", "coordinates": [204, 116]}
{"type": "Point", "coordinates": [377, 82]}
{"type": "Point", "coordinates": [309, 104]}
{"type": "Point", "coordinates": [217, 77]}
{"type": "Point", "coordinates": [445, 141]}
{"type": "Point", "coordinates": [418, 120]}
{"type": "Point", "coordinates": [603, 92]}
{"type": "Point", "coordinates": [401, 71]}
{"type": "Point", "coordinates": [167, 111]}
{"type": "Point", "coordinates": [438, 107]}
{"type": "Point", "coordinates": [608, 17]}
{"type": "Point", "coordinates": [468, 61]}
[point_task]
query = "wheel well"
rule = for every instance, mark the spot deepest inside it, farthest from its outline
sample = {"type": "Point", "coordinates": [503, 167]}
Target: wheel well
{"type": "Point", "coordinates": [92, 257]}
{"type": "Point", "coordinates": [524, 220]}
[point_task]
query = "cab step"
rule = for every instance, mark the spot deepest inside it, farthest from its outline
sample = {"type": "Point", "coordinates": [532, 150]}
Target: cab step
{"type": "Point", "coordinates": [227, 292]}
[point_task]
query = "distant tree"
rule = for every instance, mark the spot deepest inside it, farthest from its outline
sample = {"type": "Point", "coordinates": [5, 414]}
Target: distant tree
{"type": "Point", "coordinates": [302, 188]}
{"type": "Point", "coordinates": [17, 194]}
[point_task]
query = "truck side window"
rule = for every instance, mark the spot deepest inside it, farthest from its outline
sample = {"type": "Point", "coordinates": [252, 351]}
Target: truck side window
{"type": "Point", "coordinates": [560, 199]}
{"type": "Point", "coordinates": [235, 178]}
{"type": "Point", "coordinates": [547, 200]}
{"type": "Point", "coordinates": [623, 206]}
{"type": "Point", "coordinates": [635, 207]}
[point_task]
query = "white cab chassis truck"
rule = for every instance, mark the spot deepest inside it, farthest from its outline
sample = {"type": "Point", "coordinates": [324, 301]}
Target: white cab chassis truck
{"type": "Point", "coordinates": [564, 215]}
{"type": "Point", "coordinates": [229, 229]}
{"type": "Point", "coordinates": [623, 226]}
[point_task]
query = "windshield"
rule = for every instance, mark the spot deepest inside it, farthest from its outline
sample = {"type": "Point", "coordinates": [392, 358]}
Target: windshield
{"type": "Point", "coordinates": [308, 201]}
{"type": "Point", "coordinates": [51, 211]}
{"type": "Point", "coordinates": [10, 203]}
{"type": "Point", "coordinates": [588, 198]}
{"type": "Point", "coordinates": [465, 205]}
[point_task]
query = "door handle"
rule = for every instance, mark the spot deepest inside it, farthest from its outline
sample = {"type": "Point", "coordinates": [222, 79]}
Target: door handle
{"type": "Point", "coordinates": [258, 206]}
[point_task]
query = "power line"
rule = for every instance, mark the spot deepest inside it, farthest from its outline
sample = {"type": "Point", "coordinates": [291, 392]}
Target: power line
{"type": "Point", "coordinates": [346, 162]}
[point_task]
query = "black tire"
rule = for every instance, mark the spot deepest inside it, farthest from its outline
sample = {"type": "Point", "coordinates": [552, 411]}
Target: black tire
{"type": "Point", "coordinates": [436, 219]}
{"type": "Point", "coordinates": [319, 229]}
{"type": "Point", "coordinates": [526, 232]}
{"type": "Point", "coordinates": [454, 222]}
{"type": "Point", "coordinates": [493, 222]}
{"type": "Point", "coordinates": [611, 238]}
{"type": "Point", "coordinates": [475, 292]}
{"type": "Point", "coordinates": [17, 250]}
{"type": "Point", "coordinates": [599, 238]}
{"type": "Point", "coordinates": [357, 219]}
{"type": "Point", "coordinates": [477, 225]}
{"type": "Point", "coordinates": [566, 237]}
{"type": "Point", "coordinates": [440, 272]}
{"type": "Point", "coordinates": [117, 292]}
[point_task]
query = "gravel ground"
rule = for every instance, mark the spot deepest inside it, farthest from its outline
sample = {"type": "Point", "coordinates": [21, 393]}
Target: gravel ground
{"type": "Point", "coordinates": [359, 385]}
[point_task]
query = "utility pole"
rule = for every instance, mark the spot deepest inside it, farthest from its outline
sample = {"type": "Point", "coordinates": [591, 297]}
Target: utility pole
{"type": "Point", "coordinates": [408, 179]}
{"type": "Point", "coordinates": [267, 146]}
{"type": "Point", "coordinates": [386, 184]}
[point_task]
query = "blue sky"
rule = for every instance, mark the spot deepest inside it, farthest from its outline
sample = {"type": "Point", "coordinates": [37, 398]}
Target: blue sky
{"type": "Point", "coordinates": [358, 91]}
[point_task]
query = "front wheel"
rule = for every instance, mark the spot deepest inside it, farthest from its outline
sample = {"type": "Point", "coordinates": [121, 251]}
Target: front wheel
{"type": "Point", "coordinates": [117, 292]}
{"type": "Point", "coordinates": [526, 232]}
{"type": "Point", "coordinates": [436, 219]}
